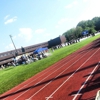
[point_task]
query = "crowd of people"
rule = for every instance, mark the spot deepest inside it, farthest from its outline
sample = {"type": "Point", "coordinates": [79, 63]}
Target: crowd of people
{"type": "Point", "coordinates": [25, 59]}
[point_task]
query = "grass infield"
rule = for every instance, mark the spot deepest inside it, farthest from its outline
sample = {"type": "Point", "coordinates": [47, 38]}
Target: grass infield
{"type": "Point", "coordinates": [12, 76]}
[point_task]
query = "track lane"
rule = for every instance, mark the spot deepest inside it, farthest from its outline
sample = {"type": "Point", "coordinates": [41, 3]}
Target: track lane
{"type": "Point", "coordinates": [88, 78]}
{"type": "Point", "coordinates": [92, 86]}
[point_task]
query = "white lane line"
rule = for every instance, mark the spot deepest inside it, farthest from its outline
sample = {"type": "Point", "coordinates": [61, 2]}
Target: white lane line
{"type": "Point", "coordinates": [48, 97]}
{"type": "Point", "coordinates": [72, 75]}
{"type": "Point", "coordinates": [57, 76]}
{"type": "Point", "coordinates": [49, 75]}
{"type": "Point", "coordinates": [75, 94]}
{"type": "Point", "coordinates": [86, 81]}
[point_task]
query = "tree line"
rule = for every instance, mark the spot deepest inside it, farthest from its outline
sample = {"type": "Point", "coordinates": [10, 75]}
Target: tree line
{"type": "Point", "coordinates": [92, 26]}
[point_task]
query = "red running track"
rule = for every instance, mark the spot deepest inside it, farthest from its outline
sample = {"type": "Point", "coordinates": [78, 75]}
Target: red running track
{"type": "Point", "coordinates": [76, 77]}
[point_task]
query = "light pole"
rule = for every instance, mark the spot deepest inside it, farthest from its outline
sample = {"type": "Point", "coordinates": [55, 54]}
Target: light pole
{"type": "Point", "coordinates": [13, 44]}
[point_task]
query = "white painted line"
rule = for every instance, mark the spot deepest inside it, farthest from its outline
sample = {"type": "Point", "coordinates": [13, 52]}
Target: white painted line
{"type": "Point", "coordinates": [75, 94]}
{"type": "Point", "coordinates": [85, 81]}
{"type": "Point", "coordinates": [58, 76]}
{"type": "Point", "coordinates": [72, 75]}
{"type": "Point", "coordinates": [98, 95]}
{"type": "Point", "coordinates": [48, 97]}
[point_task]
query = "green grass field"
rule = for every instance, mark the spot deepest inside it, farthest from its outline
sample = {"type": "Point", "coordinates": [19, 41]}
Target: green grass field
{"type": "Point", "coordinates": [13, 76]}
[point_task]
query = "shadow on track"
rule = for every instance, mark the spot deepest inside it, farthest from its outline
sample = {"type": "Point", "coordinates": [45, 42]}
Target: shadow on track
{"type": "Point", "coordinates": [93, 45]}
{"type": "Point", "coordinates": [91, 98]}
{"type": "Point", "coordinates": [92, 84]}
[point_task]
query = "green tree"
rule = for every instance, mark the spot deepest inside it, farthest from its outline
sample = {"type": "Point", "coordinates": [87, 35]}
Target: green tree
{"type": "Point", "coordinates": [78, 32]}
{"type": "Point", "coordinates": [90, 25]}
{"type": "Point", "coordinates": [82, 24]}
{"type": "Point", "coordinates": [96, 21]}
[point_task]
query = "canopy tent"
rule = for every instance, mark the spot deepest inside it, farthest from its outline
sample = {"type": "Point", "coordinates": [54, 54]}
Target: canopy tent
{"type": "Point", "coordinates": [40, 50]}
{"type": "Point", "coordinates": [85, 32]}
{"type": "Point", "coordinates": [45, 48]}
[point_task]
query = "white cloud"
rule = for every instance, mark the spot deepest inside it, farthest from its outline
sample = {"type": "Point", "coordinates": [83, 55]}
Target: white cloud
{"type": "Point", "coordinates": [40, 30]}
{"type": "Point", "coordinates": [90, 11]}
{"type": "Point", "coordinates": [86, 0]}
{"type": "Point", "coordinates": [25, 33]}
{"type": "Point", "coordinates": [69, 6]}
{"type": "Point", "coordinates": [41, 39]}
{"type": "Point", "coordinates": [9, 47]}
{"type": "Point", "coordinates": [37, 40]}
{"type": "Point", "coordinates": [47, 34]}
{"type": "Point", "coordinates": [14, 37]}
{"type": "Point", "coordinates": [63, 21]}
{"type": "Point", "coordinates": [6, 17]}
{"type": "Point", "coordinates": [72, 4]}
{"type": "Point", "coordinates": [11, 20]}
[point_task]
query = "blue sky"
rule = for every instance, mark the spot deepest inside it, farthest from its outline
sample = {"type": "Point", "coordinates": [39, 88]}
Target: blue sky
{"type": "Point", "coordinates": [35, 21]}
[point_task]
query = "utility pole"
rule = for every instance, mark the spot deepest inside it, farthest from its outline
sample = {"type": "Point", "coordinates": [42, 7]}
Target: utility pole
{"type": "Point", "coordinates": [13, 45]}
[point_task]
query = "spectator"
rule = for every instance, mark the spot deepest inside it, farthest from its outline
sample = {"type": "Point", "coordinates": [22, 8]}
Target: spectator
{"type": "Point", "coordinates": [2, 67]}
